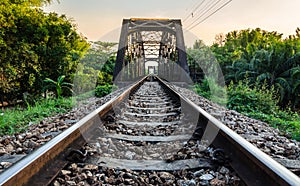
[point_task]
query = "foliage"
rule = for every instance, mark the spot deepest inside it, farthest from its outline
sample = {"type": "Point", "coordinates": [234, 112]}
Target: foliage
{"type": "Point", "coordinates": [261, 103]}
{"type": "Point", "coordinates": [32, 2]}
{"type": "Point", "coordinates": [202, 63]}
{"type": "Point", "coordinates": [262, 71]}
{"type": "Point", "coordinates": [18, 119]}
{"type": "Point", "coordinates": [263, 56]}
{"type": "Point", "coordinates": [95, 68]}
{"type": "Point", "coordinates": [209, 89]}
{"type": "Point", "coordinates": [288, 122]}
{"type": "Point", "coordinates": [246, 99]}
{"type": "Point", "coordinates": [58, 85]}
{"type": "Point", "coordinates": [35, 45]}
{"type": "Point", "coordinates": [99, 56]}
{"type": "Point", "coordinates": [103, 90]}
{"type": "Point", "coordinates": [202, 89]}
{"type": "Point", "coordinates": [206, 73]}
{"type": "Point", "coordinates": [85, 79]}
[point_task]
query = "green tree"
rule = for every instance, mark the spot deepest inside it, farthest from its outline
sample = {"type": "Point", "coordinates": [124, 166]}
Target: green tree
{"type": "Point", "coordinates": [101, 57]}
{"type": "Point", "coordinates": [32, 2]}
{"type": "Point", "coordinates": [35, 45]}
{"type": "Point", "coordinates": [262, 56]}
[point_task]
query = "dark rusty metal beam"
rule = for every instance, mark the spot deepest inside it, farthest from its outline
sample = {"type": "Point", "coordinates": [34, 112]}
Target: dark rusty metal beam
{"type": "Point", "coordinates": [165, 33]}
{"type": "Point", "coordinates": [180, 46]}
{"type": "Point", "coordinates": [122, 48]}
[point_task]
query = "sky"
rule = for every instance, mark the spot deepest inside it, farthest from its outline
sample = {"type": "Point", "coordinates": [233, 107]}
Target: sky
{"type": "Point", "coordinates": [102, 19]}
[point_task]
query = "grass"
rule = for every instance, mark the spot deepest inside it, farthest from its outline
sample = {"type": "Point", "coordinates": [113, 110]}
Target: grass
{"type": "Point", "coordinates": [286, 121]}
{"type": "Point", "coordinates": [18, 119]}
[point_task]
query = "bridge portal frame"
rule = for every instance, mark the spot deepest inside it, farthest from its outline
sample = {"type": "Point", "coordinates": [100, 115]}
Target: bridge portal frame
{"type": "Point", "coordinates": [133, 45]}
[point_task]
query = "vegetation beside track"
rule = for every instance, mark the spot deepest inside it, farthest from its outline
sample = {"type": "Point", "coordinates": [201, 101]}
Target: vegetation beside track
{"type": "Point", "coordinates": [261, 68]}
{"type": "Point", "coordinates": [18, 119]}
{"type": "Point", "coordinates": [257, 102]}
{"type": "Point", "coordinates": [261, 71]}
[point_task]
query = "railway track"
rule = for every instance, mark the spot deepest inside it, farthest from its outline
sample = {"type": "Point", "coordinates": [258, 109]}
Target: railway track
{"type": "Point", "coordinates": [149, 134]}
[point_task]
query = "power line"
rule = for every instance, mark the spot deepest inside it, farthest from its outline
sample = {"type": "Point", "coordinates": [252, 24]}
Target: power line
{"type": "Point", "coordinates": [206, 11]}
{"type": "Point", "coordinates": [211, 14]}
{"type": "Point", "coordinates": [201, 9]}
{"type": "Point", "coordinates": [193, 10]}
{"type": "Point", "coordinates": [192, 5]}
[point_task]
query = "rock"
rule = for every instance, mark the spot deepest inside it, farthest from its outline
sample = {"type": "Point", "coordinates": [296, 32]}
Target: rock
{"type": "Point", "coordinates": [70, 182]}
{"type": "Point", "coordinates": [2, 151]}
{"type": "Point", "coordinates": [61, 180]}
{"type": "Point", "coordinates": [83, 183]}
{"type": "Point", "coordinates": [166, 176]}
{"type": "Point", "coordinates": [224, 170]}
{"type": "Point", "coordinates": [9, 148]}
{"type": "Point", "coordinates": [73, 166]}
{"type": "Point", "coordinates": [83, 176]}
{"type": "Point", "coordinates": [89, 174]}
{"type": "Point", "coordinates": [235, 180]}
{"type": "Point", "coordinates": [217, 182]}
{"type": "Point", "coordinates": [90, 167]}
{"type": "Point", "coordinates": [191, 183]}
{"type": "Point", "coordinates": [111, 144]}
{"type": "Point", "coordinates": [28, 135]}
{"type": "Point", "coordinates": [56, 183]}
{"type": "Point", "coordinates": [206, 177]}
{"type": "Point", "coordinates": [155, 155]}
{"type": "Point", "coordinates": [109, 180]}
{"type": "Point", "coordinates": [198, 173]}
{"type": "Point", "coordinates": [19, 150]}
{"type": "Point", "coordinates": [227, 178]}
{"type": "Point", "coordinates": [127, 175]}
{"type": "Point", "coordinates": [128, 181]}
{"type": "Point", "coordinates": [5, 165]}
{"type": "Point", "coordinates": [129, 155]}
{"type": "Point", "coordinates": [65, 172]}
{"type": "Point", "coordinates": [204, 182]}
{"type": "Point", "coordinates": [20, 137]}
{"type": "Point", "coordinates": [32, 144]}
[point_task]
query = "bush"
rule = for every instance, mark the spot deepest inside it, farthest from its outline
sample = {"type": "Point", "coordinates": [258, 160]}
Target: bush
{"type": "Point", "coordinates": [246, 99]}
{"type": "Point", "coordinates": [103, 90]}
{"type": "Point", "coordinates": [262, 104]}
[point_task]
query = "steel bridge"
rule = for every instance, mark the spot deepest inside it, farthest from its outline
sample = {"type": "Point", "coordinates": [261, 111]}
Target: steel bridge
{"type": "Point", "coordinates": [151, 46]}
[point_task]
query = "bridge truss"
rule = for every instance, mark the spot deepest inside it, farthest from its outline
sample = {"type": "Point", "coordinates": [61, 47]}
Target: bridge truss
{"type": "Point", "coordinates": [151, 46]}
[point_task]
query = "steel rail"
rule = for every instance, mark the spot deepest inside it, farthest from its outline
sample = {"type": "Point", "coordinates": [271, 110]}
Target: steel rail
{"type": "Point", "coordinates": [31, 168]}
{"type": "Point", "coordinates": [252, 165]}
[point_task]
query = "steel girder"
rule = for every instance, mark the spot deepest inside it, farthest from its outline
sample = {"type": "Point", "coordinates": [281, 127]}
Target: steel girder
{"type": "Point", "coordinates": [149, 40]}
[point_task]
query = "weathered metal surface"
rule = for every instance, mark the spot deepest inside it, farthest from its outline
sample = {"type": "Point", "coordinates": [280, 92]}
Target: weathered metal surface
{"type": "Point", "coordinates": [151, 40]}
